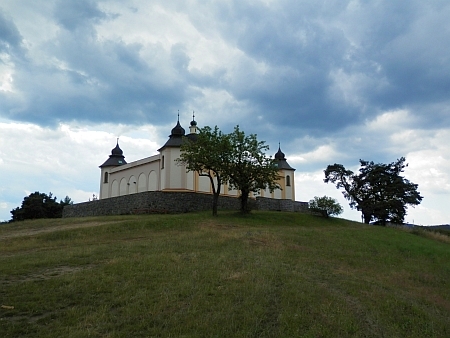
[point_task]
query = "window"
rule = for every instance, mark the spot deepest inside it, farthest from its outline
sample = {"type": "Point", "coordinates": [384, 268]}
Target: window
{"type": "Point", "coordinates": [288, 181]}
{"type": "Point", "coordinates": [162, 163]}
{"type": "Point", "coordinates": [105, 180]}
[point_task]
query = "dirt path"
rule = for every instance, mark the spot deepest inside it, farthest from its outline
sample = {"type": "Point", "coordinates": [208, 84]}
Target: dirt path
{"type": "Point", "coordinates": [51, 228]}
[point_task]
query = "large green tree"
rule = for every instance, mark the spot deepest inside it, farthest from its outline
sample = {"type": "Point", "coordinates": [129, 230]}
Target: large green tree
{"type": "Point", "coordinates": [39, 205]}
{"type": "Point", "coordinates": [234, 158]}
{"type": "Point", "coordinates": [249, 169]}
{"type": "Point", "coordinates": [208, 155]}
{"type": "Point", "coordinates": [378, 191]}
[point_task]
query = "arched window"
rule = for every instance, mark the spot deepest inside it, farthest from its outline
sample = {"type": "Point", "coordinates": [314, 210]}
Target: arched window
{"type": "Point", "coordinates": [288, 181]}
{"type": "Point", "coordinates": [105, 180]}
{"type": "Point", "coordinates": [162, 163]}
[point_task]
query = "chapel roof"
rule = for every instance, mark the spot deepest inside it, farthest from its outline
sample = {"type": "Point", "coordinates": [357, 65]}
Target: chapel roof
{"type": "Point", "coordinates": [175, 137]}
{"type": "Point", "coordinates": [281, 161]}
{"type": "Point", "coordinates": [116, 158]}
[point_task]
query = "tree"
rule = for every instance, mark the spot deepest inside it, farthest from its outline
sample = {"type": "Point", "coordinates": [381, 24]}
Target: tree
{"type": "Point", "coordinates": [249, 170]}
{"type": "Point", "coordinates": [66, 201]}
{"type": "Point", "coordinates": [327, 206]}
{"type": "Point", "coordinates": [208, 155]}
{"type": "Point", "coordinates": [378, 191]}
{"type": "Point", "coordinates": [233, 158]}
{"type": "Point", "coordinates": [39, 205]}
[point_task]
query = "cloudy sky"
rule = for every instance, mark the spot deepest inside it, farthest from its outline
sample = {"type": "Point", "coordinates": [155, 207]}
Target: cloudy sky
{"type": "Point", "coordinates": [333, 81]}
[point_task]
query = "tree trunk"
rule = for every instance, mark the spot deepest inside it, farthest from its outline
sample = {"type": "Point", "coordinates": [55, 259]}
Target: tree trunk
{"type": "Point", "coordinates": [215, 203]}
{"type": "Point", "coordinates": [216, 192]}
{"type": "Point", "coordinates": [367, 217]}
{"type": "Point", "coordinates": [244, 202]}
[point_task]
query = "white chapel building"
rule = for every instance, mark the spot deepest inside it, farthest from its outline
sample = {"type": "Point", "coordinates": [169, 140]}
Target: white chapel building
{"type": "Point", "coordinates": [161, 172]}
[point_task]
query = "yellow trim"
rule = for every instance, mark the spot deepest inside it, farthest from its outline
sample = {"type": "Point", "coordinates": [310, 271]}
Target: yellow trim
{"type": "Point", "coordinates": [177, 190]}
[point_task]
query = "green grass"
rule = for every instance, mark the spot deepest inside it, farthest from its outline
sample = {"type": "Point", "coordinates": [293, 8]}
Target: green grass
{"type": "Point", "coordinates": [268, 274]}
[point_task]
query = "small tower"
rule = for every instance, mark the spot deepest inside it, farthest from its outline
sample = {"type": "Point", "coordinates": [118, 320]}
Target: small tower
{"type": "Point", "coordinates": [286, 173]}
{"type": "Point", "coordinates": [192, 129]}
{"type": "Point", "coordinates": [115, 159]}
{"type": "Point", "coordinates": [193, 126]}
{"type": "Point", "coordinates": [172, 175]}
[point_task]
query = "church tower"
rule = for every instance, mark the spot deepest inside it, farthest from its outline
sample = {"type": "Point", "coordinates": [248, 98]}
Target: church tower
{"type": "Point", "coordinates": [115, 159]}
{"type": "Point", "coordinates": [192, 128]}
{"type": "Point", "coordinates": [173, 175]}
{"type": "Point", "coordinates": [286, 173]}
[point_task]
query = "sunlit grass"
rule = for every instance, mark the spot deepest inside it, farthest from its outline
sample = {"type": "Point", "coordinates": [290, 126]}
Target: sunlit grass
{"type": "Point", "coordinates": [267, 274]}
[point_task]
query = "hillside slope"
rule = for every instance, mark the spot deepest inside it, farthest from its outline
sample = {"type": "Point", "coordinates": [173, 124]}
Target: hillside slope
{"type": "Point", "coordinates": [265, 275]}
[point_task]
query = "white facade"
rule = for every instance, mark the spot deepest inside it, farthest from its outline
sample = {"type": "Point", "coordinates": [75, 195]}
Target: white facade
{"type": "Point", "coordinates": [162, 173]}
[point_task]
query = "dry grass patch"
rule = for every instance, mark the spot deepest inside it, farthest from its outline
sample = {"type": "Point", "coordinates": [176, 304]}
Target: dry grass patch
{"type": "Point", "coordinates": [435, 236]}
{"type": "Point", "coordinates": [44, 274]}
{"type": "Point", "coordinates": [32, 231]}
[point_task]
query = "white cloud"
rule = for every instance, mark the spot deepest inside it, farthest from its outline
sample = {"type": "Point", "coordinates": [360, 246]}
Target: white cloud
{"type": "Point", "coordinates": [430, 169]}
{"type": "Point", "coordinates": [6, 75]}
{"type": "Point", "coordinates": [308, 185]}
{"type": "Point", "coordinates": [63, 160]}
{"type": "Point", "coordinates": [390, 120]}
{"type": "Point", "coordinates": [317, 155]}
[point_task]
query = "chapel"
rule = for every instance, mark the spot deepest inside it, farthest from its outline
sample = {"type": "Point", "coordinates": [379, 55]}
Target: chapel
{"type": "Point", "coordinates": [161, 172]}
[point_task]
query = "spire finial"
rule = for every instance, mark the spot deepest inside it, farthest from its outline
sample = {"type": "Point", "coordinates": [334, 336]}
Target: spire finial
{"type": "Point", "coordinates": [117, 141]}
{"type": "Point", "coordinates": [178, 116]}
{"type": "Point", "coordinates": [193, 115]}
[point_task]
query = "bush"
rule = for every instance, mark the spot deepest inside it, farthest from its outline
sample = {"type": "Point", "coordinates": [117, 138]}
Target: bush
{"type": "Point", "coordinates": [325, 205]}
{"type": "Point", "coordinates": [39, 205]}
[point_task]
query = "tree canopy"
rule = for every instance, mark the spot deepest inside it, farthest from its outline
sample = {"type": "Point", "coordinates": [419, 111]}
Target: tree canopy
{"type": "Point", "coordinates": [327, 206]}
{"type": "Point", "coordinates": [378, 191]}
{"type": "Point", "coordinates": [234, 158]}
{"type": "Point", "coordinates": [208, 155]}
{"type": "Point", "coordinates": [249, 169]}
{"type": "Point", "coordinates": [39, 205]}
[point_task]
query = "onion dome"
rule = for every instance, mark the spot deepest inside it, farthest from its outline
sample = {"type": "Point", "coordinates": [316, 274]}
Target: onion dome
{"type": "Point", "coordinates": [175, 137]}
{"type": "Point", "coordinates": [280, 160]}
{"type": "Point", "coordinates": [117, 151]}
{"type": "Point", "coordinates": [178, 130]}
{"type": "Point", "coordinates": [279, 155]}
{"type": "Point", "coordinates": [192, 129]}
{"type": "Point", "coordinates": [116, 158]}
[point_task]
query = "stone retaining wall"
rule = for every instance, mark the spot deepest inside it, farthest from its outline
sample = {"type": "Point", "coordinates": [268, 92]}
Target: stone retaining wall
{"type": "Point", "coordinates": [172, 202]}
{"type": "Point", "coordinates": [264, 203]}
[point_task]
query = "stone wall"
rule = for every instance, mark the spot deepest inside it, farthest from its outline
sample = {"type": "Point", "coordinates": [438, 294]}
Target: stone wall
{"type": "Point", "coordinates": [264, 203]}
{"type": "Point", "coordinates": [172, 202]}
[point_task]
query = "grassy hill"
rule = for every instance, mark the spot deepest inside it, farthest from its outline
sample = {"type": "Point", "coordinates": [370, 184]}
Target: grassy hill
{"type": "Point", "coordinates": [265, 275]}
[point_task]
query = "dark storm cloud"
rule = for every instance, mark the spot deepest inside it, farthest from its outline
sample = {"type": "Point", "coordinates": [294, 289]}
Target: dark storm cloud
{"type": "Point", "coordinates": [399, 52]}
{"type": "Point", "coordinates": [100, 82]}
{"type": "Point", "coordinates": [72, 14]}
{"type": "Point", "coordinates": [410, 44]}
{"type": "Point", "coordinates": [314, 66]}
{"type": "Point", "coordinates": [10, 38]}
{"type": "Point", "coordinates": [299, 52]}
